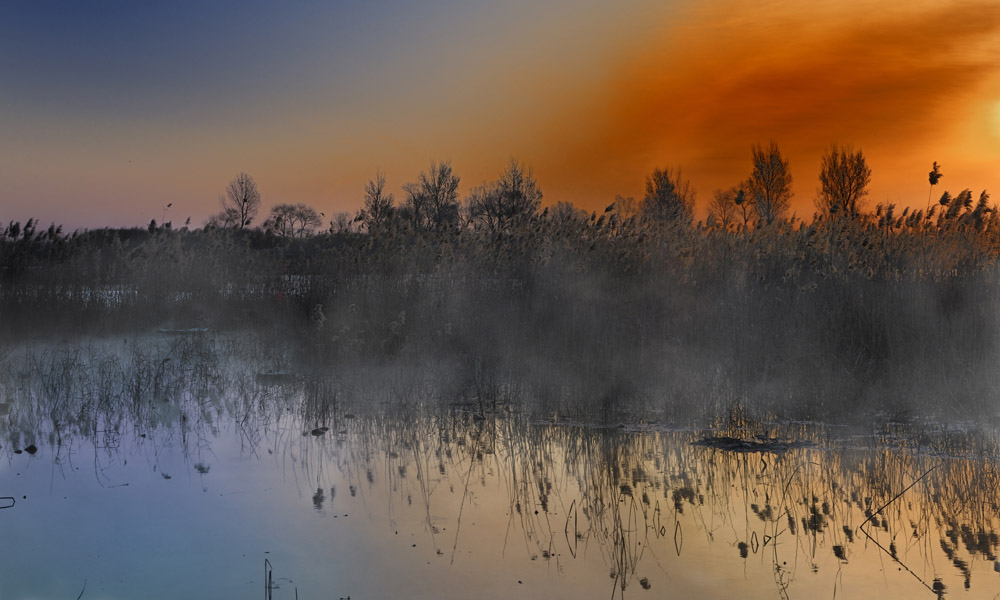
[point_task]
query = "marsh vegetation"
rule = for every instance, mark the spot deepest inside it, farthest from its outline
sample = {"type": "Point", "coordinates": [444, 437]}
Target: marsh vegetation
{"type": "Point", "coordinates": [632, 308]}
{"type": "Point", "coordinates": [497, 396]}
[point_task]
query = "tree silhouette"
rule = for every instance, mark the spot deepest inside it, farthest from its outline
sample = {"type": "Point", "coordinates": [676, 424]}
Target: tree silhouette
{"type": "Point", "coordinates": [722, 207]}
{"type": "Point", "coordinates": [292, 220]}
{"type": "Point", "coordinates": [378, 208]}
{"type": "Point", "coordinates": [770, 183]}
{"type": "Point", "coordinates": [844, 176]}
{"type": "Point", "coordinates": [508, 203]}
{"type": "Point", "coordinates": [341, 223]}
{"type": "Point", "coordinates": [432, 201]}
{"type": "Point", "coordinates": [240, 204]}
{"type": "Point", "coordinates": [227, 218]}
{"type": "Point", "coordinates": [669, 198]}
{"type": "Point", "coordinates": [743, 202]}
{"type": "Point", "coordinates": [565, 213]}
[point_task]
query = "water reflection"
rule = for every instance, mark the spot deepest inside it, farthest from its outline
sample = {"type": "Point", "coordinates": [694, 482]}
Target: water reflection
{"type": "Point", "coordinates": [155, 459]}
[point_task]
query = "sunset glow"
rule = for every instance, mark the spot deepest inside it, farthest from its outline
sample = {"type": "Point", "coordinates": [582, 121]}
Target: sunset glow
{"type": "Point", "coordinates": [112, 112]}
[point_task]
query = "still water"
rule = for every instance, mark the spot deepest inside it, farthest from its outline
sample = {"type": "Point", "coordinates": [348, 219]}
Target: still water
{"type": "Point", "coordinates": [170, 468]}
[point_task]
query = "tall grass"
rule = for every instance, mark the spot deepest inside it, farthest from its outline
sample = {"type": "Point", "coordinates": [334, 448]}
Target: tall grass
{"type": "Point", "coordinates": [607, 315]}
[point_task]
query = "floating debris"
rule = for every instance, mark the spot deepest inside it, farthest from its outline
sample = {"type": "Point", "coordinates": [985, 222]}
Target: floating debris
{"type": "Point", "coordinates": [31, 449]}
{"type": "Point", "coordinates": [644, 582]}
{"type": "Point", "coordinates": [319, 431]}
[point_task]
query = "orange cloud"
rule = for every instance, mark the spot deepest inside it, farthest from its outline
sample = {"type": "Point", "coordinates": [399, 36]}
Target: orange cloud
{"type": "Point", "coordinates": [726, 78]}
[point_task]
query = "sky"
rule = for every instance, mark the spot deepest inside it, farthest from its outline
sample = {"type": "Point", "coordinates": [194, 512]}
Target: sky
{"type": "Point", "coordinates": [110, 111]}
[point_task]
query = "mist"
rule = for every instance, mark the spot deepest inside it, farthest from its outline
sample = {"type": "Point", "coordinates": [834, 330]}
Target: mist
{"type": "Point", "coordinates": [572, 379]}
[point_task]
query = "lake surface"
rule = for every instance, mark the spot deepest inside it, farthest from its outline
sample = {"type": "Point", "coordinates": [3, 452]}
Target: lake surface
{"type": "Point", "coordinates": [175, 467]}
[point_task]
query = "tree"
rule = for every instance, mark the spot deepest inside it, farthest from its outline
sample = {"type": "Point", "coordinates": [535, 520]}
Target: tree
{"type": "Point", "coordinates": [379, 207]}
{"type": "Point", "coordinates": [341, 223]}
{"type": "Point", "coordinates": [722, 207]}
{"type": "Point", "coordinates": [292, 220]}
{"type": "Point", "coordinates": [566, 213]}
{"type": "Point", "coordinates": [484, 207]}
{"type": "Point", "coordinates": [742, 201]}
{"type": "Point", "coordinates": [770, 184]}
{"type": "Point", "coordinates": [669, 198]}
{"type": "Point", "coordinates": [626, 207]}
{"type": "Point", "coordinates": [240, 204]}
{"type": "Point", "coordinates": [507, 204]}
{"type": "Point", "coordinates": [432, 201]}
{"type": "Point", "coordinates": [227, 218]}
{"type": "Point", "coordinates": [844, 176]}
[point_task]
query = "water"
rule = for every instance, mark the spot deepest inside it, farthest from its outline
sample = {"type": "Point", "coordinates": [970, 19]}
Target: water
{"type": "Point", "coordinates": [160, 478]}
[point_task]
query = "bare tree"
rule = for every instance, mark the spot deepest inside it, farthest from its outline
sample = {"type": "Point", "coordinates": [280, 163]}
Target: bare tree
{"type": "Point", "coordinates": [770, 184]}
{"type": "Point", "coordinates": [240, 204]}
{"type": "Point", "coordinates": [227, 218]}
{"type": "Point", "coordinates": [483, 206]}
{"type": "Point", "coordinates": [342, 222]}
{"type": "Point", "coordinates": [844, 176]}
{"type": "Point", "coordinates": [626, 207]}
{"type": "Point", "coordinates": [722, 207]}
{"type": "Point", "coordinates": [669, 197]}
{"type": "Point", "coordinates": [292, 220]}
{"type": "Point", "coordinates": [379, 204]}
{"type": "Point", "coordinates": [565, 212]}
{"type": "Point", "coordinates": [508, 203]}
{"type": "Point", "coordinates": [432, 201]}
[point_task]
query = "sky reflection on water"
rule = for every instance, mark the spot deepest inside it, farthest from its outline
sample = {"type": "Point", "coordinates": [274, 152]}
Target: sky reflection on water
{"type": "Point", "coordinates": [185, 493]}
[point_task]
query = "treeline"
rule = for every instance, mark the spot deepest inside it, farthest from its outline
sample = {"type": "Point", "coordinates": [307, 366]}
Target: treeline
{"type": "Point", "coordinates": [632, 306]}
{"type": "Point", "coordinates": [509, 203]}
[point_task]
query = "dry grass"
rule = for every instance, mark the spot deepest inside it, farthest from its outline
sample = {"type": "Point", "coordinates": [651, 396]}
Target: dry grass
{"type": "Point", "coordinates": [605, 315]}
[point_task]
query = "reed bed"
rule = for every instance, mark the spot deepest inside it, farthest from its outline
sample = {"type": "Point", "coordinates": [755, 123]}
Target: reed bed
{"type": "Point", "coordinates": [607, 315]}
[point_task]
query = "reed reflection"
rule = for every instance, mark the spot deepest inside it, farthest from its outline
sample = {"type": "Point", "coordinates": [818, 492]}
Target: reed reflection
{"type": "Point", "coordinates": [803, 506]}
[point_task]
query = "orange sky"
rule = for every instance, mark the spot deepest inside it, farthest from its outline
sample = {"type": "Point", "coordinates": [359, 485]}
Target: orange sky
{"type": "Point", "coordinates": [907, 86]}
{"type": "Point", "coordinates": [110, 116]}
